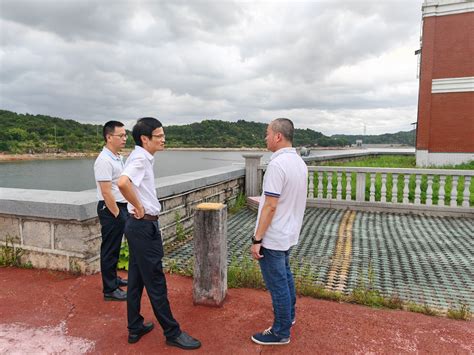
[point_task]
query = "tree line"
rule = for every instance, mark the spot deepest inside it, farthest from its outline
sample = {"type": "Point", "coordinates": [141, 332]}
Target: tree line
{"type": "Point", "coordinates": [27, 133]}
{"type": "Point", "coordinates": [402, 137]}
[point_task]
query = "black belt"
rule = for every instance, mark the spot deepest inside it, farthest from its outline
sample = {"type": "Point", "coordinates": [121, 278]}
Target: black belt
{"type": "Point", "coordinates": [149, 217]}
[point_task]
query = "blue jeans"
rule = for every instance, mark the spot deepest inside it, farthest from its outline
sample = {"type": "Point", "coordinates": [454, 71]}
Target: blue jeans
{"type": "Point", "coordinates": [275, 266]}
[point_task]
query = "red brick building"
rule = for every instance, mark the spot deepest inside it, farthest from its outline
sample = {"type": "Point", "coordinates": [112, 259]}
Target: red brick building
{"type": "Point", "coordinates": [445, 130]}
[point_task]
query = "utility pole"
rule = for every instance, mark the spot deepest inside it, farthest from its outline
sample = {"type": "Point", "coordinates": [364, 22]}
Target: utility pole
{"type": "Point", "coordinates": [415, 125]}
{"type": "Point", "coordinates": [55, 141]}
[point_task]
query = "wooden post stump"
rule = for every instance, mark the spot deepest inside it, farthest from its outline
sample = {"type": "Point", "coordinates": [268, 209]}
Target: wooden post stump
{"type": "Point", "coordinates": [210, 254]}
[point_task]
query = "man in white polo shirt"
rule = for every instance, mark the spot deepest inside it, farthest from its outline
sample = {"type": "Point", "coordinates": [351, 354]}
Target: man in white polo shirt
{"type": "Point", "coordinates": [142, 230]}
{"type": "Point", "coordinates": [111, 209]}
{"type": "Point", "coordinates": [279, 220]}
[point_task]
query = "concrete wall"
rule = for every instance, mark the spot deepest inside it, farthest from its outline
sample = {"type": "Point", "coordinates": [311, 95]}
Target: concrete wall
{"type": "Point", "coordinates": [60, 230]}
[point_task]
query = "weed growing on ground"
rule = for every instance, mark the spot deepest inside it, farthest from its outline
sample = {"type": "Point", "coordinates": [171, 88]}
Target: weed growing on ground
{"type": "Point", "coordinates": [188, 269]}
{"type": "Point", "coordinates": [424, 309]}
{"type": "Point", "coordinates": [123, 257]}
{"type": "Point", "coordinates": [74, 267]}
{"type": "Point", "coordinates": [368, 295]}
{"type": "Point", "coordinates": [180, 232]}
{"type": "Point", "coordinates": [463, 312]}
{"type": "Point", "coordinates": [244, 273]}
{"type": "Point", "coordinates": [172, 266]}
{"type": "Point", "coordinates": [239, 203]}
{"type": "Point", "coordinates": [10, 255]}
{"type": "Point", "coordinates": [306, 283]}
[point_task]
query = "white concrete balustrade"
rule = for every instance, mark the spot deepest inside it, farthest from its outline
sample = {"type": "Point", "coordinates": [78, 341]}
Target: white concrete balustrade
{"type": "Point", "coordinates": [428, 191]}
{"type": "Point", "coordinates": [391, 189]}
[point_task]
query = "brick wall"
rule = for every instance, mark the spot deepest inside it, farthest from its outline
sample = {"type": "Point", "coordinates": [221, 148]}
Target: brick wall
{"type": "Point", "coordinates": [446, 120]}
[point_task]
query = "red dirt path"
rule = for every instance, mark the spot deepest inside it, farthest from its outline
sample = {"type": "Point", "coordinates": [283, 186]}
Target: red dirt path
{"type": "Point", "coordinates": [73, 307]}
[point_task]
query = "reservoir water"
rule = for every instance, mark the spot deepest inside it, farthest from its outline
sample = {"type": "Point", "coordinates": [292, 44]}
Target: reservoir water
{"type": "Point", "coordinates": [78, 174]}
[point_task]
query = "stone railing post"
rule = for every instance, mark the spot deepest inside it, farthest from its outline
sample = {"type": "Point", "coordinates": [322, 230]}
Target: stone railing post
{"type": "Point", "coordinates": [360, 187]}
{"type": "Point", "coordinates": [210, 254]}
{"type": "Point", "coordinates": [252, 161]}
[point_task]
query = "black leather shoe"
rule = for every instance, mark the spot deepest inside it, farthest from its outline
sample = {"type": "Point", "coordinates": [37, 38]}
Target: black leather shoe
{"type": "Point", "coordinates": [134, 337]}
{"type": "Point", "coordinates": [184, 341]}
{"type": "Point", "coordinates": [122, 282]}
{"type": "Point", "coordinates": [117, 295]}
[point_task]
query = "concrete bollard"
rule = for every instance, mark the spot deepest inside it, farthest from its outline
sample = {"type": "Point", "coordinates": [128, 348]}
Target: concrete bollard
{"type": "Point", "coordinates": [252, 178]}
{"type": "Point", "coordinates": [210, 254]}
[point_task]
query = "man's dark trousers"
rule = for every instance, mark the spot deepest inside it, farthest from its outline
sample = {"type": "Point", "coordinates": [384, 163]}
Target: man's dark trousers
{"type": "Point", "coordinates": [145, 269]}
{"type": "Point", "coordinates": [112, 232]}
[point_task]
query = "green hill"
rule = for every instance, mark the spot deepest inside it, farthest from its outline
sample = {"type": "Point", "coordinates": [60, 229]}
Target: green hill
{"type": "Point", "coordinates": [402, 137]}
{"type": "Point", "coordinates": [216, 133]}
{"type": "Point", "coordinates": [26, 133]}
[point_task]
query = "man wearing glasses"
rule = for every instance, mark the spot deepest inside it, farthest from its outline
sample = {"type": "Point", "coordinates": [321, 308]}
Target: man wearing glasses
{"type": "Point", "coordinates": [111, 209]}
{"type": "Point", "coordinates": [142, 230]}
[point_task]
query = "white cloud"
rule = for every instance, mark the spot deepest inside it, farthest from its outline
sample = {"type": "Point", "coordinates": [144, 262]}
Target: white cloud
{"type": "Point", "coordinates": [318, 62]}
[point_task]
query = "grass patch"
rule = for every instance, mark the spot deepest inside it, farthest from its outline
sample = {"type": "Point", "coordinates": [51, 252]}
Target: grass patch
{"type": "Point", "coordinates": [180, 231]}
{"type": "Point", "coordinates": [244, 273]}
{"type": "Point", "coordinates": [424, 309]}
{"type": "Point", "coordinates": [172, 266]}
{"type": "Point", "coordinates": [239, 203]}
{"type": "Point", "coordinates": [462, 312]}
{"type": "Point", "coordinates": [123, 257]}
{"type": "Point", "coordinates": [380, 161]}
{"type": "Point", "coordinates": [10, 255]}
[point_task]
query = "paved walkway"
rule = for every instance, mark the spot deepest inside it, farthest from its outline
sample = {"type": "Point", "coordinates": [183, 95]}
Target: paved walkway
{"type": "Point", "coordinates": [45, 312]}
{"type": "Point", "coordinates": [427, 260]}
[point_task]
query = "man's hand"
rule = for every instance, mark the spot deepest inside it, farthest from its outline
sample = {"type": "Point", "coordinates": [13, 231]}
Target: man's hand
{"type": "Point", "coordinates": [256, 251]}
{"type": "Point", "coordinates": [109, 199]}
{"type": "Point", "coordinates": [138, 212]}
{"type": "Point", "coordinates": [125, 187]}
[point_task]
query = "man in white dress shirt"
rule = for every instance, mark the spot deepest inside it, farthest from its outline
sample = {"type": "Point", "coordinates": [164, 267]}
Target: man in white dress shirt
{"type": "Point", "coordinates": [111, 209]}
{"type": "Point", "coordinates": [142, 230]}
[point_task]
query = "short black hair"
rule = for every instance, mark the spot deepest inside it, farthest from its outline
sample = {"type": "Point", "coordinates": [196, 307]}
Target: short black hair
{"type": "Point", "coordinates": [285, 127]}
{"type": "Point", "coordinates": [144, 127]}
{"type": "Point", "coordinates": [109, 128]}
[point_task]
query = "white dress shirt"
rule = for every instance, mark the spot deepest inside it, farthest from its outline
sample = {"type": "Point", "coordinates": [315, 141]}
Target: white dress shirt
{"type": "Point", "coordinates": [139, 169]}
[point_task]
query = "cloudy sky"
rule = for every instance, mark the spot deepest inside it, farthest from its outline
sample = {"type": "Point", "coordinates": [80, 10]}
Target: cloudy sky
{"type": "Point", "coordinates": [333, 66]}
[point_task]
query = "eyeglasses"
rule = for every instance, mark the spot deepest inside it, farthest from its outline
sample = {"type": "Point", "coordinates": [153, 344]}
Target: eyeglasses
{"type": "Point", "coordinates": [121, 136]}
{"type": "Point", "coordinates": [158, 135]}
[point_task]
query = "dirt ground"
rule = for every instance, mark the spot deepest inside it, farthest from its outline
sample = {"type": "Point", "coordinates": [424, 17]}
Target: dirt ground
{"type": "Point", "coordinates": [52, 312]}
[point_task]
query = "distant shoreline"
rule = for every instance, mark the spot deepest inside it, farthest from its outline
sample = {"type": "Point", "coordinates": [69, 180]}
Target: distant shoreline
{"type": "Point", "coordinates": [7, 157]}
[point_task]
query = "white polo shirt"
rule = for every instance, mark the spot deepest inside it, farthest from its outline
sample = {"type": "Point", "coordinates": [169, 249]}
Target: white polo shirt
{"type": "Point", "coordinates": [286, 177]}
{"type": "Point", "coordinates": [108, 167]}
{"type": "Point", "coordinates": [139, 169]}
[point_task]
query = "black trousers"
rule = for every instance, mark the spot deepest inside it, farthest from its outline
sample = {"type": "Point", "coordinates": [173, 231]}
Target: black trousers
{"type": "Point", "coordinates": [145, 269]}
{"type": "Point", "coordinates": [112, 232]}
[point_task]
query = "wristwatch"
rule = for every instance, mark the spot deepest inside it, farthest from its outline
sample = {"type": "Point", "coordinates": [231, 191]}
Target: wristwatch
{"type": "Point", "coordinates": [255, 241]}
